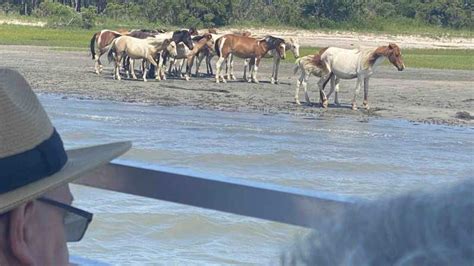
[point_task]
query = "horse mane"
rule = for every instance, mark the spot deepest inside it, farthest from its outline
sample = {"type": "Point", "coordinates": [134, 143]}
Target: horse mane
{"type": "Point", "coordinates": [273, 42]}
{"type": "Point", "coordinates": [380, 51]}
{"type": "Point", "coordinates": [317, 58]}
{"type": "Point", "coordinates": [198, 38]}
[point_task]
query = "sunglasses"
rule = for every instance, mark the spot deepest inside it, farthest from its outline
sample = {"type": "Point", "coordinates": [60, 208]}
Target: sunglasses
{"type": "Point", "coordinates": [76, 220]}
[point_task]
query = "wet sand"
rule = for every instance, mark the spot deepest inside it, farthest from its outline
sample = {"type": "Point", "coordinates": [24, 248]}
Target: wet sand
{"type": "Point", "coordinates": [420, 95]}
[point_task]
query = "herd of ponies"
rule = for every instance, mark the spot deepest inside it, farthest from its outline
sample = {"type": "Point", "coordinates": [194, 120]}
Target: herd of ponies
{"type": "Point", "coordinates": [173, 53]}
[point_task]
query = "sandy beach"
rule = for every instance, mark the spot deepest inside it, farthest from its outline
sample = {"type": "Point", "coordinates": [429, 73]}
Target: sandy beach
{"type": "Point", "coordinates": [419, 95]}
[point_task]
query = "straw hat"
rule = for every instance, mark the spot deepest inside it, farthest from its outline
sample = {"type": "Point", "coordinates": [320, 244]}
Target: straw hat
{"type": "Point", "coordinates": [32, 155]}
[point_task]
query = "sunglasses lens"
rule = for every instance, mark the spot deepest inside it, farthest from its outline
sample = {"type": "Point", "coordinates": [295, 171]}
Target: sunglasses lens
{"type": "Point", "coordinates": [75, 226]}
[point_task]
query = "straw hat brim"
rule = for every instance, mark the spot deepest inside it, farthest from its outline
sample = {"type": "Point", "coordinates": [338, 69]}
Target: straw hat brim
{"type": "Point", "coordinates": [80, 161]}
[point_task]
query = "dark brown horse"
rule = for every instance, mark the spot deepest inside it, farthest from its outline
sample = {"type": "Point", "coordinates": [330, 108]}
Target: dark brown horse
{"type": "Point", "coordinates": [246, 47]}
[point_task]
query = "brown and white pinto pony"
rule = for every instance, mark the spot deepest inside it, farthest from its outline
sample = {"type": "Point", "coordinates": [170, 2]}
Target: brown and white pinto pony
{"type": "Point", "coordinates": [99, 45]}
{"type": "Point", "coordinates": [185, 55]}
{"type": "Point", "coordinates": [308, 68]}
{"type": "Point", "coordinates": [360, 64]}
{"type": "Point", "coordinates": [138, 49]}
{"type": "Point", "coordinates": [291, 44]}
{"type": "Point", "coordinates": [246, 47]}
{"type": "Point", "coordinates": [207, 53]}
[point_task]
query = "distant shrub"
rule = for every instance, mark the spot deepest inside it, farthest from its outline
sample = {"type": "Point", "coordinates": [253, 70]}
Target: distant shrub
{"type": "Point", "coordinates": [58, 15]}
{"type": "Point", "coordinates": [88, 17]}
{"type": "Point", "coordinates": [7, 9]}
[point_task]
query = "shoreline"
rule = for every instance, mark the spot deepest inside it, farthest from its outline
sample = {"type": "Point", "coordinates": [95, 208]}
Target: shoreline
{"type": "Point", "coordinates": [417, 95]}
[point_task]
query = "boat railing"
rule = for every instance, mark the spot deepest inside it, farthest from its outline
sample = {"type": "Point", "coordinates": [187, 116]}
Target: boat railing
{"type": "Point", "coordinates": [253, 199]}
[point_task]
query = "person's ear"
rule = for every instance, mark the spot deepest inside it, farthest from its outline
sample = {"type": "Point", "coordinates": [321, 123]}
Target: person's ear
{"type": "Point", "coordinates": [21, 219]}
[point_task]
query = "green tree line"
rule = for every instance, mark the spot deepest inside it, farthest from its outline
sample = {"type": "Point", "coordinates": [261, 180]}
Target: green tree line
{"type": "Point", "coordinates": [454, 14]}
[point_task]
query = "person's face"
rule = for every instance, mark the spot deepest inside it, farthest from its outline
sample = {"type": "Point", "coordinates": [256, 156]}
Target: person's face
{"type": "Point", "coordinates": [49, 241]}
{"type": "Point", "coordinates": [36, 231]}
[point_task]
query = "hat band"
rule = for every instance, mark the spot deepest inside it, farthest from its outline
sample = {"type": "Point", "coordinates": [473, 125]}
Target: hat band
{"type": "Point", "coordinates": [42, 161]}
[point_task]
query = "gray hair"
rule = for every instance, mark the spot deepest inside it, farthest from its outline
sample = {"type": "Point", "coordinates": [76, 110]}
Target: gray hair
{"type": "Point", "coordinates": [431, 227]}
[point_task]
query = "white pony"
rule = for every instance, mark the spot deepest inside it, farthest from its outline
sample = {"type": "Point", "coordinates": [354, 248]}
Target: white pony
{"type": "Point", "coordinates": [135, 48]}
{"type": "Point", "coordinates": [339, 63]}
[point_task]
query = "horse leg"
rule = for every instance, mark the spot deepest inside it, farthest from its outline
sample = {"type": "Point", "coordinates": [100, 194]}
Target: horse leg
{"type": "Point", "coordinates": [336, 94]}
{"type": "Point", "coordinates": [333, 86]}
{"type": "Point", "coordinates": [255, 68]}
{"type": "Point", "coordinates": [97, 64]}
{"type": "Point", "coordinates": [321, 84]}
{"type": "Point", "coordinates": [297, 91]}
{"type": "Point", "coordinates": [132, 68]}
{"type": "Point", "coordinates": [356, 93]}
{"type": "Point", "coordinates": [117, 67]}
{"type": "Point", "coordinates": [189, 66]}
{"type": "Point", "coordinates": [152, 61]}
{"type": "Point", "coordinates": [246, 65]}
{"type": "Point", "coordinates": [366, 94]}
{"type": "Point", "coordinates": [227, 66]}
{"type": "Point", "coordinates": [158, 68]}
{"type": "Point", "coordinates": [277, 66]}
{"type": "Point", "coordinates": [232, 76]}
{"type": "Point", "coordinates": [219, 63]}
{"type": "Point", "coordinates": [305, 75]}
{"type": "Point", "coordinates": [198, 63]}
{"type": "Point", "coordinates": [208, 62]}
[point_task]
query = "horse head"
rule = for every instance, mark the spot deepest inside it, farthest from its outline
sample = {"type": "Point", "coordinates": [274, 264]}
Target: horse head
{"type": "Point", "coordinates": [394, 55]}
{"type": "Point", "coordinates": [210, 40]}
{"type": "Point", "coordinates": [183, 36]}
{"type": "Point", "coordinates": [294, 45]}
{"type": "Point", "coordinates": [193, 31]}
{"type": "Point", "coordinates": [170, 46]}
{"type": "Point", "coordinates": [278, 44]}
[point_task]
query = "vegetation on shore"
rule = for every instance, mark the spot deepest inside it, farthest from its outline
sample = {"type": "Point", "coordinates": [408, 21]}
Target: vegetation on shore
{"type": "Point", "coordinates": [421, 17]}
{"type": "Point", "coordinates": [79, 39]}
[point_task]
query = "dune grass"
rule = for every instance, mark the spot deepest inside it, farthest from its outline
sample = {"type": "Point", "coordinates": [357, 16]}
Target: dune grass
{"type": "Point", "coordinates": [26, 35]}
{"type": "Point", "coordinates": [78, 40]}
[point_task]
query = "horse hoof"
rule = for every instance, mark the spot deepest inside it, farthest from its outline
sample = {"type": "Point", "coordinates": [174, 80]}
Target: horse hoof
{"type": "Point", "coordinates": [298, 102]}
{"type": "Point", "coordinates": [233, 77]}
{"type": "Point", "coordinates": [354, 107]}
{"type": "Point", "coordinates": [325, 104]}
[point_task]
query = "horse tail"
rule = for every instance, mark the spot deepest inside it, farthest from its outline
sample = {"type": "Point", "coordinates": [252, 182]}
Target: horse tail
{"type": "Point", "coordinates": [111, 51]}
{"type": "Point", "coordinates": [317, 58]}
{"type": "Point", "coordinates": [92, 45]}
{"type": "Point", "coordinates": [297, 66]}
{"type": "Point", "coordinates": [329, 78]}
{"type": "Point", "coordinates": [216, 47]}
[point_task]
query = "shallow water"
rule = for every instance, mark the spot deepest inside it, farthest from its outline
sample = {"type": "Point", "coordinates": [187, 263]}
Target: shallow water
{"type": "Point", "coordinates": [365, 159]}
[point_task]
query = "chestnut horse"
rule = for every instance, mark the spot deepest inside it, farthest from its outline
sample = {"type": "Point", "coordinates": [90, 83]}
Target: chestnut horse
{"type": "Point", "coordinates": [339, 63]}
{"type": "Point", "coordinates": [246, 47]}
